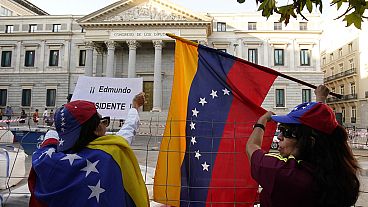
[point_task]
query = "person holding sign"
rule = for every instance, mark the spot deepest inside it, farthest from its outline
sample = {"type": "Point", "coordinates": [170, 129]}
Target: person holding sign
{"type": "Point", "coordinates": [81, 166]}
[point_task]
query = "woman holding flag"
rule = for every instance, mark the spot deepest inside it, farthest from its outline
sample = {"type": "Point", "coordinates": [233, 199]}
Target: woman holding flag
{"type": "Point", "coordinates": [315, 166]}
{"type": "Point", "coordinates": [81, 166]}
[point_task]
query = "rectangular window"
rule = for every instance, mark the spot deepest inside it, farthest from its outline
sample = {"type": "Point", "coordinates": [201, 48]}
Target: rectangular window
{"type": "Point", "coordinates": [3, 97]}
{"type": "Point", "coordinates": [342, 89]}
{"type": "Point", "coordinates": [303, 25]}
{"type": "Point", "coordinates": [280, 98]}
{"type": "Point", "coordinates": [340, 52]}
{"type": "Point", "coordinates": [82, 58]}
{"type": "Point", "coordinates": [29, 58]}
{"type": "Point", "coordinates": [82, 30]}
{"type": "Point", "coordinates": [56, 27]}
{"type": "Point", "coordinates": [353, 114]}
{"type": "Point", "coordinates": [341, 67]}
{"type": "Point", "coordinates": [324, 61]}
{"type": "Point", "coordinates": [331, 57]}
{"type": "Point", "coordinates": [353, 111]}
{"type": "Point", "coordinates": [221, 26]}
{"type": "Point", "coordinates": [6, 58]}
{"type": "Point", "coordinates": [253, 55]}
{"type": "Point", "coordinates": [350, 46]}
{"type": "Point", "coordinates": [54, 58]}
{"type": "Point", "coordinates": [32, 28]}
{"type": "Point", "coordinates": [26, 97]}
{"type": "Point", "coordinates": [306, 95]}
{"type": "Point", "coordinates": [9, 29]}
{"type": "Point", "coordinates": [252, 25]}
{"type": "Point", "coordinates": [333, 89]}
{"type": "Point", "coordinates": [279, 56]}
{"type": "Point", "coordinates": [352, 88]}
{"type": "Point", "coordinates": [351, 62]}
{"type": "Point", "coordinates": [305, 57]}
{"type": "Point", "coordinates": [50, 97]}
{"type": "Point", "coordinates": [343, 114]}
{"type": "Point", "coordinates": [277, 26]}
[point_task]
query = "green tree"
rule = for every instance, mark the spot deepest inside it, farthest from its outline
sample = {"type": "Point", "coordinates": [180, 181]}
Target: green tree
{"type": "Point", "coordinates": [354, 13]}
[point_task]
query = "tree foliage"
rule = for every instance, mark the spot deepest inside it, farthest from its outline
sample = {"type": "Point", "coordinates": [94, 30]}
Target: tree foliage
{"type": "Point", "coordinates": [354, 13]}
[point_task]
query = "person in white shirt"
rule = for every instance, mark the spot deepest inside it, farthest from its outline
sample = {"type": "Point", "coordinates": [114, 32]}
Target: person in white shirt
{"type": "Point", "coordinates": [45, 115]}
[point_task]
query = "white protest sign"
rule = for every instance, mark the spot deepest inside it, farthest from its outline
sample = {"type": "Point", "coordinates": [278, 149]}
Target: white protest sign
{"type": "Point", "coordinates": [112, 96]}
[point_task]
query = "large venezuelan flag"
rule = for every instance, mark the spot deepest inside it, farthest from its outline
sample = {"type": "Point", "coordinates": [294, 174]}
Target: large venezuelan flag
{"type": "Point", "coordinates": [215, 101]}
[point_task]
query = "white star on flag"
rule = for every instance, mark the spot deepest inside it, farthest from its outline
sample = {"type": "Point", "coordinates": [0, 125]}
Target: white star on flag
{"type": "Point", "coordinates": [195, 112]}
{"type": "Point", "coordinates": [192, 125]}
{"type": "Point", "coordinates": [193, 140]}
{"type": "Point", "coordinates": [304, 107]}
{"type": "Point", "coordinates": [202, 101]}
{"type": "Point", "coordinates": [91, 167]}
{"type": "Point", "coordinates": [214, 94]}
{"type": "Point", "coordinates": [71, 158]}
{"type": "Point", "coordinates": [197, 154]}
{"type": "Point", "coordinates": [205, 166]}
{"type": "Point", "coordinates": [48, 152]}
{"type": "Point", "coordinates": [296, 108]}
{"type": "Point", "coordinates": [96, 191]}
{"type": "Point", "coordinates": [226, 92]}
{"type": "Point", "coordinates": [61, 142]}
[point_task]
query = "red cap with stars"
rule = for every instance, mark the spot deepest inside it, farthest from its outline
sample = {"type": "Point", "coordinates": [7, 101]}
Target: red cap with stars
{"type": "Point", "coordinates": [316, 115]}
{"type": "Point", "coordinates": [69, 119]}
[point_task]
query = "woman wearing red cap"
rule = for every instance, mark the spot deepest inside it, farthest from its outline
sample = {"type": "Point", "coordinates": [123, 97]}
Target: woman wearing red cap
{"type": "Point", "coordinates": [315, 166]}
{"type": "Point", "coordinates": [78, 165]}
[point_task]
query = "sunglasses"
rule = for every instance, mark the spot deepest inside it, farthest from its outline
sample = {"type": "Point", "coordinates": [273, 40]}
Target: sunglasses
{"type": "Point", "coordinates": [105, 120]}
{"type": "Point", "coordinates": [287, 132]}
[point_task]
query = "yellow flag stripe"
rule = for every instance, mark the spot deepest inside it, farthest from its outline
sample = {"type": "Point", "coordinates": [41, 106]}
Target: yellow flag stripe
{"type": "Point", "coordinates": [168, 176]}
{"type": "Point", "coordinates": [121, 152]}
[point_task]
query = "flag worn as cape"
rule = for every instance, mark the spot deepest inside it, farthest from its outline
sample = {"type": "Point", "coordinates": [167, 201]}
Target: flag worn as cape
{"type": "Point", "coordinates": [106, 173]}
{"type": "Point", "coordinates": [215, 101]}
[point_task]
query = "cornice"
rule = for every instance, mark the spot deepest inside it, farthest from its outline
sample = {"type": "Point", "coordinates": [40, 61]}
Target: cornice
{"type": "Point", "coordinates": [154, 24]}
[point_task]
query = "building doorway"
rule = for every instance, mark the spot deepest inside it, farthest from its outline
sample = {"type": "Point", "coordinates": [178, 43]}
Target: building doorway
{"type": "Point", "coordinates": [148, 90]}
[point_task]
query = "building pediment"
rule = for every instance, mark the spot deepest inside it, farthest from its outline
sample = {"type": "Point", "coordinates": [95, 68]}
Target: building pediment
{"type": "Point", "coordinates": [143, 11]}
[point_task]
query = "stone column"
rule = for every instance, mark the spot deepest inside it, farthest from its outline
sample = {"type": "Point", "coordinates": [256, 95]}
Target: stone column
{"type": "Point", "coordinates": [100, 59]}
{"type": "Point", "coordinates": [110, 58]}
{"type": "Point", "coordinates": [133, 44]}
{"type": "Point", "coordinates": [88, 70]}
{"type": "Point", "coordinates": [157, 82]}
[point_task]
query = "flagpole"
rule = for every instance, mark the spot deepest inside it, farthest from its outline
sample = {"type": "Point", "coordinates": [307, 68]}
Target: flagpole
{"type": "Point", "coordinates": [265, 69]}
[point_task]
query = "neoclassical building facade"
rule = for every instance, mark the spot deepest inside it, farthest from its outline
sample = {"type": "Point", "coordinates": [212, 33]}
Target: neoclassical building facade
{"type": "Point", "coordinates": [345, 71]}
{"type": "Point", "coordinates": [43, 56]}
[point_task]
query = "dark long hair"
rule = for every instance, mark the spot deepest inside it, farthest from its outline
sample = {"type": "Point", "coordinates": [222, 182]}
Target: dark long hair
{"type": "Point", "coordinates": [87, 134]}
{"type": "Point", "coordinates": [335, 166]}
